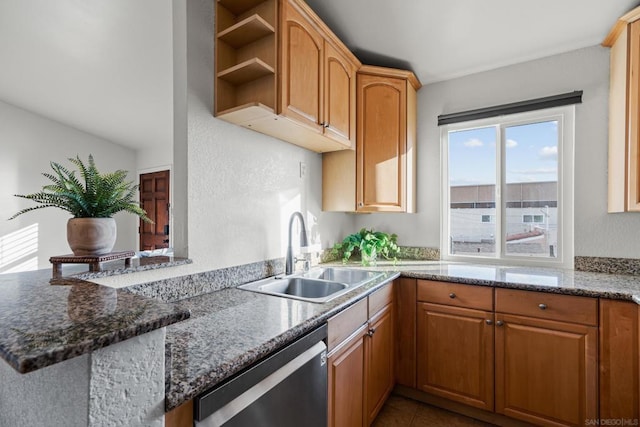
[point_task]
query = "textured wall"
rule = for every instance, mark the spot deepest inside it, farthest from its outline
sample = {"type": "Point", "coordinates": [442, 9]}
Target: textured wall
{"type": "Point", "coordinates": [127, 383]}
{"type": "Point", "coordinates": [242, 185]}
{"type": "Point", "coordinates": [597, 233]}
{"type": "Point", "coordinates": [53, 396]}
{"type": "Point", "coordinates": [119, 385]}
{"type": "Point", "coordinates": [28, 143]}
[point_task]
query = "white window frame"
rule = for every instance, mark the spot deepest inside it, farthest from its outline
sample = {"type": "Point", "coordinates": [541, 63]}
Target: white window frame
{"type": "Point", "coordinates": [565, 116]}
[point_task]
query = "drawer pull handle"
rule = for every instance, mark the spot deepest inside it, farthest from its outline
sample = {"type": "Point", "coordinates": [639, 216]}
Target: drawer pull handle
{"type": "Point", "coordinates": [452, 295]}
{"type": "Point", "coordinates": [542, 306]}
{"type": "Point", "coordinates": [499, 323]}
{"type": "Point", "coordinates": [489, 322]}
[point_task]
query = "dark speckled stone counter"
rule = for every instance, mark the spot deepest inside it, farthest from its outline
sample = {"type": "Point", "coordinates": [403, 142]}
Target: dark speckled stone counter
{"type": "Point", "coordinates": [555, 280]}
{"type": "Point", "coordinates": [231, 329]}
{"type": "Point", "coordinates": [45, 321]}
{"type": "Point", "coordinates": [112, 268]}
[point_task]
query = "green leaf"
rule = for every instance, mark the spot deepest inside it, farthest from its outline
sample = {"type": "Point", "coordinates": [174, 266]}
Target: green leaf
{"type": "Point", "coordinates": [93, 195]}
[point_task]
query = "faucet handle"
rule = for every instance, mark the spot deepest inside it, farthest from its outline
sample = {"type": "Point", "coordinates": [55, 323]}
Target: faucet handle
{"type": "Point", "coordinates": [306, 263]}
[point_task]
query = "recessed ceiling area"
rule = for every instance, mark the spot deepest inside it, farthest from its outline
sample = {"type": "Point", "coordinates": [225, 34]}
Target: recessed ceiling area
{"type": "Point", "coordinates": [444, 39]}
{"type": "Point", "coordinates": [104, 67]}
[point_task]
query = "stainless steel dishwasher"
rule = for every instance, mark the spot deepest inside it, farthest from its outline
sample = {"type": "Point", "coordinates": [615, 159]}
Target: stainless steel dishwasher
{"type": "Point", "coordinates": [289, 388]}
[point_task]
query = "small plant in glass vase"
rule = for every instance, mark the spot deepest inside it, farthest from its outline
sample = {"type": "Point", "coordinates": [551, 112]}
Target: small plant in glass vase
{"type": "Point", "coordinates": [370, 245]}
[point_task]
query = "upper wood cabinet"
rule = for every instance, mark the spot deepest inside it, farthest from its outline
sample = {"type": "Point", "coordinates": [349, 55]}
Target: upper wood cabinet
{"type": "Point", "coordinates": [282, 72]}
{"type": "Point", "coordinates": [318, 76]}
{"type": "Point", "coordinates": [380, 175]}
{"type": "Point", "coordinates": [624, 113]}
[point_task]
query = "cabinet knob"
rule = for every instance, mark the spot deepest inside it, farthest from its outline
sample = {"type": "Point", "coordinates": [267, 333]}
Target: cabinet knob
{"type": "Point", "coordinates": [489, 322]}
{"type": "Point", "coordinates": [360, 204]}
{"type": "Point", "coordinates": [452, 295]}
{"type": "Point", "coordinates": [325, 125]}
{"type": "Point", "coordinates": [542, 306]}
{"type": "Point", "coordinates": [499, 323]}
{"type": "Point", "coordinates": [371, 332]}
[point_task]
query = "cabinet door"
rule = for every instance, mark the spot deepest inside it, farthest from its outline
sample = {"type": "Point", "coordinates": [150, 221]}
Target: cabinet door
{"type": "Point", "coordinates": [619, 355]}
{"type": "Point", "coordinates": [455, 354]}
{"type": "Point", "coordinates": [301, 68]}
{"type": "Point", "coordinates": [346, 382]}
{"type": "Point", "coordinates": [633, 108]}
{"type": "Point", "coordinates": [379, 367]}
{"type": "Point", "coordinates": [546, 371]}
{"type": "Point", "coordinates": [381, 143]}
{"type": "Point", "coordinates": [340, 96]}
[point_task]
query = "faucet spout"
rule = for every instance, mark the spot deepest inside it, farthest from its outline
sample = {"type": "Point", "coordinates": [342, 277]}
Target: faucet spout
{"type": "Point", "coordinates": [303, 240]}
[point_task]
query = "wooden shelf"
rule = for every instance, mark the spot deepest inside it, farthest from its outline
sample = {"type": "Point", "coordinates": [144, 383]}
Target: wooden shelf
{"type": "Point", "coordinates": [246, 71]}
{"type": "Point", "coordinates": [238, 7]}
{"type": "Point", "coordinates": [246, 31]}
{"type": "Point", "coordinates": [246, 113]}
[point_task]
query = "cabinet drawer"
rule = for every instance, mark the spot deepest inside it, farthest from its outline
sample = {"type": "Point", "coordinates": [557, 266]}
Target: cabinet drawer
{"type": "Point", "coordinates": [380, 298]}
{"type": "Point", "coordinates": [345, 323]}
{"type": "Point", "coordinates": [456, 294]}
{"type": "Point", "coordinates": [566, 308]}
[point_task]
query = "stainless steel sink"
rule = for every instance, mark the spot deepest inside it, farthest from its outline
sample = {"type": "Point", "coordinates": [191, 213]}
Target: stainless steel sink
{"type": "Point", "coordinates": [303, 287]}
{"type": "Point", "coordinates": [343, 275]}
{"type": "Point", "coordinates": [317, 285]}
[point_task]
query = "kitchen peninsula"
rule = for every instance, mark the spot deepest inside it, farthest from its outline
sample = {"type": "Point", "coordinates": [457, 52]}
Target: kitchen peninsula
{"type": "Point", "coordinates": [217, 333]}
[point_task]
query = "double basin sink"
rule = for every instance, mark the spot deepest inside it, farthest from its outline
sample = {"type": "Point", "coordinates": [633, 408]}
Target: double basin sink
{"type": "Point", "coordinates": [316, 285]}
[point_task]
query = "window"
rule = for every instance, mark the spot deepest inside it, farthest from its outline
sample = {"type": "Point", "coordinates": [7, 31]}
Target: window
{"type": "Point", "coordinates": [532, 218]}
{"type": "Point", "coordinates": [515, 173]}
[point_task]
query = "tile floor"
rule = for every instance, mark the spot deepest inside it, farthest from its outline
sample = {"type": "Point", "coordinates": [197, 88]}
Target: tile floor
{"type": "Point", "coordinates": [400, 411]}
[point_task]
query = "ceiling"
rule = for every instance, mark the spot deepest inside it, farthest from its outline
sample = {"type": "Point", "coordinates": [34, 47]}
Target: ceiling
{"type": "Point", "coordinates": [444, 39]}
{"type": "Point", "coordinates": [105, 66]}
{"type": "Point", "coordinates": [102, 66]}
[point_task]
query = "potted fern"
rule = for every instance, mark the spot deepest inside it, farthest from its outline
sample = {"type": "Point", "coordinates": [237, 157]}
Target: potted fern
{"type": "Point", "coordinates": [92, 198]}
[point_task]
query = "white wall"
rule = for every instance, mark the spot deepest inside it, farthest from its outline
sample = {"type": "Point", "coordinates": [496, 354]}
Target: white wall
{"type": "Point", "coordinates": [122, 384]}
{"type": "Point", "coordinates": [242, 185]}
{"type": "Point", "coordinates": [597, 233]}
{"type": "Point", "coordinates": [28, 142]}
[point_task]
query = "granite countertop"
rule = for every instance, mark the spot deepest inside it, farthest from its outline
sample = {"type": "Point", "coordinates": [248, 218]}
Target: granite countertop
{"type": "Point", "coordinates": [231, 329]}
{"type": "Point", "coordinates": [44, 321]}
{"type": "Point", "coordinates": [214, 335]}
{"type": "Point", "coordinates": [118, 267]}
{"type": "Point", "coordinates": [554, 280]}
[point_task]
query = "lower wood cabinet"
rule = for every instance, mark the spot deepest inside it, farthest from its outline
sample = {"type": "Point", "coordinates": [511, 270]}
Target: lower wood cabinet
{"type": "Point", "coordinates": [527, 355]}
{"type": "Point", "coordinates": [455, 354]}
{"type": "Point", "coordinates": [546, 371]}
{"type": "Point", "coordinates": [619, 360]}
{"type": "Point", "coordinates": [346, 381]}
{"type": "Point", "coordinates": [182, 416]}
{"type": "Point", "coordinates": [361, 366]}
{"type": "Point", "coordinates": [546, 357]}
{"type": "Point", "coordinates": [379, 364]}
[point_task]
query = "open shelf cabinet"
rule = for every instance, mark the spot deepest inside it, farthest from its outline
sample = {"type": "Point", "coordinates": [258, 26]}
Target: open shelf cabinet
{"type": "Point", "coordinates": [246, 58]}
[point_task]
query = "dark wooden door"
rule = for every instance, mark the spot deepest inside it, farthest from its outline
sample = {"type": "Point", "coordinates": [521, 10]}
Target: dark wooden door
{"type": "Point", "coordinates": [154, 198]}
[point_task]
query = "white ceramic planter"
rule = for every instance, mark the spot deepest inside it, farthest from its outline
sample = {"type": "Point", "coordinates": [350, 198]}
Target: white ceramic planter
{"type": "Point", "coordinates": [91, 236]}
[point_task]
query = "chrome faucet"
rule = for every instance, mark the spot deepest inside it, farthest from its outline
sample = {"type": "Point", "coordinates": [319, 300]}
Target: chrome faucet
{"type": "Point", "coordinates": [288, 269]}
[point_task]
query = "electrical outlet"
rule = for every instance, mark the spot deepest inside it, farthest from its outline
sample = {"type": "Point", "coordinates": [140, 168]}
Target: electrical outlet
{"type": "Point", "coordinates": [303, 169]}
